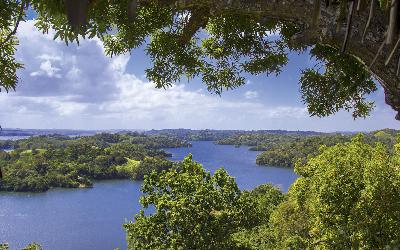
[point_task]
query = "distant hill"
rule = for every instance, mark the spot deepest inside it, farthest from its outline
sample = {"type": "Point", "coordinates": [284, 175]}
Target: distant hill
{"type": "Point", "coordinates": [33, 132]}
{"type": "Point", "coordinates": [215, 135]}
{"type": "Point", "coordinates": [181, 133]}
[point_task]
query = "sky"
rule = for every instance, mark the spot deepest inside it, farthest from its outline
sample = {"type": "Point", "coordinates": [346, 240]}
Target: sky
{"type": "Point", "coordinates": [79, 87]}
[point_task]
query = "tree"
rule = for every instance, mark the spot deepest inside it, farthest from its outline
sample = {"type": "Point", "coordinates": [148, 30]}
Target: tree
{"type": "Point", "coordinates": [220, 41]}
{"type": "Point", "coordinates": [346, 198]}
{"type": "Point", "coordinates": [266, 198]}
{"type": "Point", "coordinates": [192, 210]}
{"type": "Point", "coordinates": [31, 246]}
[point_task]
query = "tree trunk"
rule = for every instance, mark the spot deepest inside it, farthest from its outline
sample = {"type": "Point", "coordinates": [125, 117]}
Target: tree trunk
{"type": "Point", "coordinates": [326, 32]}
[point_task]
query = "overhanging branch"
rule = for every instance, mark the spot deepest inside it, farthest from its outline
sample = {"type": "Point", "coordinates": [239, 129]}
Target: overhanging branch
{"type": "Point", "coordinates": [18, 20]}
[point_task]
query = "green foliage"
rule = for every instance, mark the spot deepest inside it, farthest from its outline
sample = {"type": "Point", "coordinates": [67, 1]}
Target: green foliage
{"type": "Point", "coordinates": [193, 210]}
{"type": "Point", "coordinates": [286, 149]}
{"type": "Point", "coordinates": [286, 153]}
{"type": "Point", "coordinates": [266, 198]}
{"type": "Point", "coordinates": [196, 41]}
{"type": "Point", "coordinates": [343, 84]}
{"type": "Point", "coordinates": [259, 141]}
{"type": "Point", "coordinates": [257, 238]}
{"type": "Point", "coordinates": [43, 162]}
{"type": "Point", "coordinates": [128, 168]}
{"type": "Point", "coordinates": [10, 13]}
{"type": "Point", "coordinates": [148, 165]}
{"type": "Point", "coordinates": [235, 43]}
{"type": "Point", "coordinates": [123, 142]}
{"type": "Point", "coordinates": [31, 246]}
{"type": "Point", "coordinates": [347, 197]}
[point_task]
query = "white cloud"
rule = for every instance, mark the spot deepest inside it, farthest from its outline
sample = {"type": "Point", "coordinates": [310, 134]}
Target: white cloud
{"type": "Point", "coordinates": [79, 87]}
{"type": "Point", "coordinates": [251, 94]}
{"type": "Point", "coordinates": [46, 68]}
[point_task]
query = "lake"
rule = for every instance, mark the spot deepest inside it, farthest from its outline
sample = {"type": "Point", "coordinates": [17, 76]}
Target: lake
{"type": "Point", "coordinates": [75, 219]}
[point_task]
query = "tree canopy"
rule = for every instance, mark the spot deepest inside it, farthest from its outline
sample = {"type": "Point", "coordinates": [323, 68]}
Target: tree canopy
{"type": "Point", "coordinates": [222, 41]}
{"type": "Point", "coordinates": [39, 163]}
{"type": "Point", "coordinates": [196, 210]}
{"type": "Point", "coordinates": [347, 197]}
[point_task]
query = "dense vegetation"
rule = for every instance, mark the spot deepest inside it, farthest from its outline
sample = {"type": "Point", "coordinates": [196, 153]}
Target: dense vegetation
{"type": "Point", "coordinates": [100, 140]}
{"type": "Point", "coordinates": [347, 197]}
{"type": "Point", "coordinates": [286, 149]}
{"type": "Point", "coordinates": [42, 162]}
{"type": "Point", "coordinates": [222, 135]}
{"type": "Point", "coordinates": [262, 141]}
{"type": "Point", "coordinates": [196, 210]}
{"type": "Point", "coordinates": [32, 246]}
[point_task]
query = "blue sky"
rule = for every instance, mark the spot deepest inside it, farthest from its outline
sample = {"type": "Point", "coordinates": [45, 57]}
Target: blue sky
{"type": "Point", "coordinates": [80, 88]}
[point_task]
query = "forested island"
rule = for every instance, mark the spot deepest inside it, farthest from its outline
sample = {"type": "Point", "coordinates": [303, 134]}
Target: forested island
{"type": "Point", "coordinates": [346, 197]}
{"type": "Point", "coordinates": [39, 163]}
{"type": "Point", "coordinates": [42, 162]}
{"type": "Point", "coordinates": [284, 150]}
{"type": "Point", "coordinates": [217, 135]}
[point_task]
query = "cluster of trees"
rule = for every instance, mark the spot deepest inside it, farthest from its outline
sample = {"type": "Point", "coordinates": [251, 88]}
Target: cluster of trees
{"type": "Point", "coordinates": [285, 150]}
{"type": "Point", "coordinates": [260, 141]}
{"type": "Point", "coordinates": [223, 136]}
{"type": "Point", "coordinates": [100, 140]}
{"type": "Point", "coordinates": [286, 153]}
{"type": "Point", "coordinates": [32, 246]}
{"type": "Point", "coordinates": [347, 197]}
{"type": "Point", "coordinates": [43, 162]}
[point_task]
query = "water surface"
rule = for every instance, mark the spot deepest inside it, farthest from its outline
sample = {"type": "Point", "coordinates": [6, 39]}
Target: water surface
{"type": "Point", "coordinates": [239, 162]}
{"type": "Point", "coordinates": [75, 219]}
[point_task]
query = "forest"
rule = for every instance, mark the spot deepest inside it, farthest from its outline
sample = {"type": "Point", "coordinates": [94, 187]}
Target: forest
{"type": "Point", "coordinates": [284, 150]}
{"type": "Point", "coordinates": [347, 197]}
{"type": "Point", "coordinates": [39, 163]}
{"type": "Point", "coordinates": [223, 135]}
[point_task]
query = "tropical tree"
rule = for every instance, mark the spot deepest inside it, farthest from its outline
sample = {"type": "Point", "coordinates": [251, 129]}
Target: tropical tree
{"type": "Point", "coordinates": [346, 198]}
{"type": "Point", "coordinates": [220, 41]}
{"type": "Point", "coordinates": [192, 209]}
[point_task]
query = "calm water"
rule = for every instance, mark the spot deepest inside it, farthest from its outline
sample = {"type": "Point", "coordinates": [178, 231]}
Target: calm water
{"type": "Point", "coordinates": [13, 138]}
{"type": "Point", "coordinates": [64, 219]}
{"type": "Point", "coordinates": [239, 162]}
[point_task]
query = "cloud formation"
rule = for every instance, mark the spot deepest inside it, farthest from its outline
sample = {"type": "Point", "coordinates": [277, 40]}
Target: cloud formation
{"type": "Point", "coordinates": [251, 94]}
{"type": "Point", "coordinates": [79, 87]}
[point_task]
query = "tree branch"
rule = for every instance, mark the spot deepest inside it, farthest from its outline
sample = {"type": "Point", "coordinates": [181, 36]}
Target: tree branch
{"type": "Point", "coordinates": [392, 29]}
{"type": "Point", "coordinates": [392, 53]}
{"type": "Point", "coordinates": [348, 26]}
{"type": "Point", "coordinates": [132, 9]}
{"type": "Point", "coordinates": [316, 14]}
{"type": "Point", "coordinates": [377, 53]}
{"type": "Point", "coordinates": [19, 19]}
{"type": "Point", "coordinates": [197, 20]}
{"type": "Point", "coordinates": [371, 14]}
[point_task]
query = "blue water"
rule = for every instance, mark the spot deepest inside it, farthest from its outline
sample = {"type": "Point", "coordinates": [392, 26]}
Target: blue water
{"type": "Point", "coordinates": [239, 162]}
{"type": "Point", "coordinates": [75, 219]}
{"type": "Point", "coordinates": [12, 137]}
